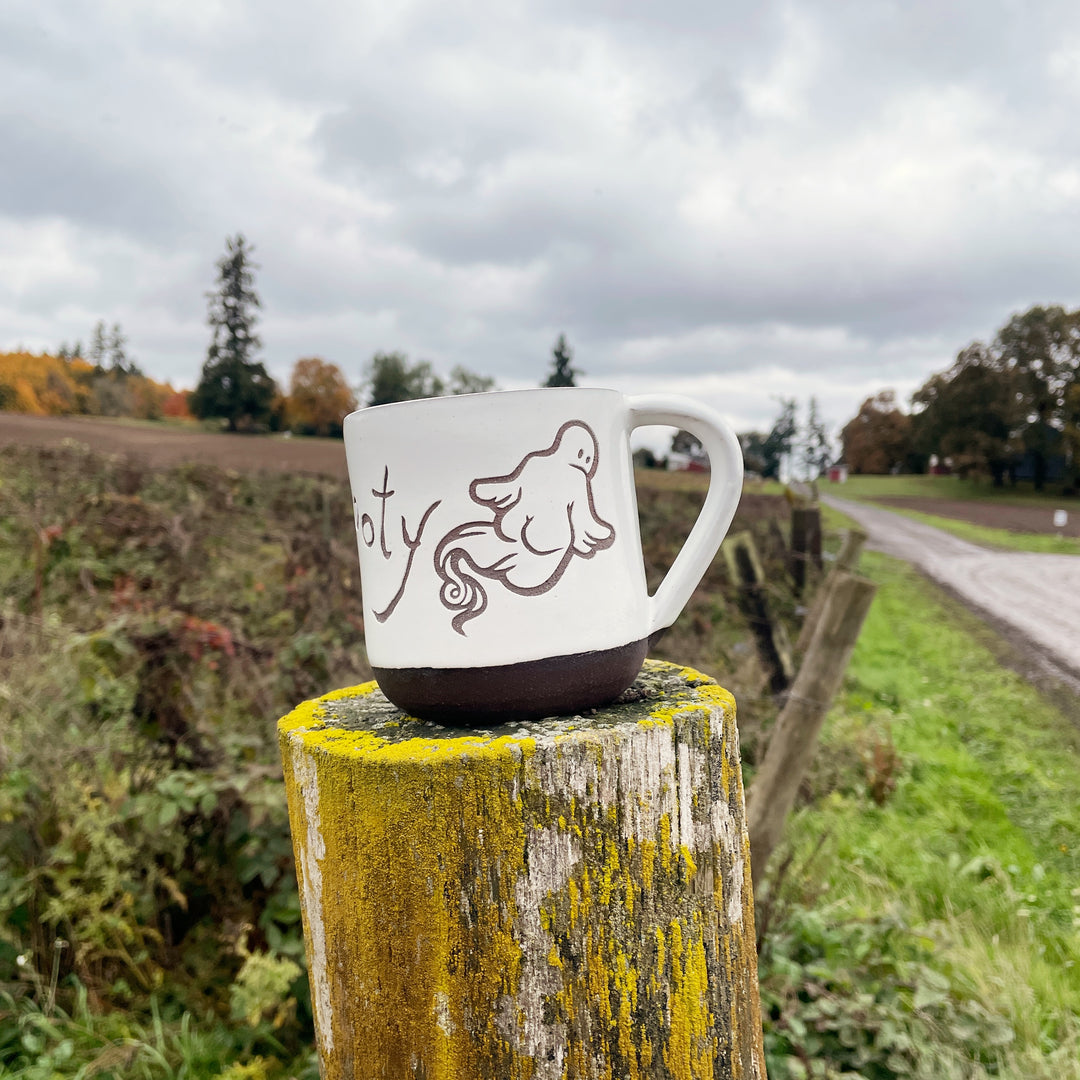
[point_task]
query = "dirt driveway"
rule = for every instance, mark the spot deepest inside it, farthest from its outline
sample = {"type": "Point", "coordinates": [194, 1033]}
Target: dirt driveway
{"type": "Point", "coordinates": [1027, 519]}
{"type": "Point", "coordinates": [1036, 597]}
{"type": "Point", "coordinates": [170, 445]}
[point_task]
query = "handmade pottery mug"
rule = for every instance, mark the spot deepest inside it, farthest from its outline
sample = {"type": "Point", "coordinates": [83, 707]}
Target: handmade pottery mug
{"type": "Point", "coordinates": [500, 554]}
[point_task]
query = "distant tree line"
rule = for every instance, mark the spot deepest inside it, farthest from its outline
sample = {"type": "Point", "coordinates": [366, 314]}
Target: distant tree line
{"type": "Point", "coordinates": [791, 448]}
{"type": "Point", "coordinates": [390, 377]}
{"type": "Point", "coordinates": [234, 385]}
{"type": "Point", "coordinates": [105, 382]}
{"type": "Point", "coordinates": [1008, 410]}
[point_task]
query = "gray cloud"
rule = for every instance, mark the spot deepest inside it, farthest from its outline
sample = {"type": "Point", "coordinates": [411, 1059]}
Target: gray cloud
{"type": "Point", "coordinates": [733, 200]}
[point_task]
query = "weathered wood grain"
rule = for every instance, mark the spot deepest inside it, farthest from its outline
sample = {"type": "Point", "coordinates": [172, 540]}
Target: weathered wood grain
{"type": "Point", "coordinates": [793, 741]}
{"type": "Point", "coordinates": [568, 898]}
{"type": "Point", "coordinates": [773, 646]}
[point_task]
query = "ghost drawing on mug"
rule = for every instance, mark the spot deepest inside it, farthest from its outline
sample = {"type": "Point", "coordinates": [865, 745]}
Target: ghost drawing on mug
{"type": "Point", "coordinates": [530, 538]}
{"type": "Point", "coordinates": [500, 555]}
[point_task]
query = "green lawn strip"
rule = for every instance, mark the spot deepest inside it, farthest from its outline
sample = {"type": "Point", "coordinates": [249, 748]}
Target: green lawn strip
{"type": "Point", "coordinates": [946, 487]}
{"type": "Point", "coordinates": [981, 838]}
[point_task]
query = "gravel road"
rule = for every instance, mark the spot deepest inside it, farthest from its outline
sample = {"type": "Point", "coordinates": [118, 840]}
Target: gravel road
{"type": "Point", "coordinates": [1034, 596]}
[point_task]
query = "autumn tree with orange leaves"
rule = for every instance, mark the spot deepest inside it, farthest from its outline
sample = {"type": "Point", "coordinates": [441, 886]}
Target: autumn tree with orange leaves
{"type": "Point", "coordinates": [319, 398]}
{"type": "Point", "coordinates": [878, 440]}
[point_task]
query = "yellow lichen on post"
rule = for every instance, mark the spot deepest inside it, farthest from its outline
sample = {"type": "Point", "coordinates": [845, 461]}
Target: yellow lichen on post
{"type": "Point", "coordinates": [559, 900]}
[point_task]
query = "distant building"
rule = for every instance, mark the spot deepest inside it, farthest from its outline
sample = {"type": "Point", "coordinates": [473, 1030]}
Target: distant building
{"type": "Point", "coordinates": [686, 463]}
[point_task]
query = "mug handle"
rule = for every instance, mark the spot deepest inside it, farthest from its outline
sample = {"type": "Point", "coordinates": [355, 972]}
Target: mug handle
{"type": "Point", "coordinates": [725, 490]}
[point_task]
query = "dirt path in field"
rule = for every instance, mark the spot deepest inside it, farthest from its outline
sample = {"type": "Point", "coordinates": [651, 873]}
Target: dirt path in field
{"type": "Point", "coordinates": [170, 445]}
{"type": "Point", "coordinates": [1034, 599]}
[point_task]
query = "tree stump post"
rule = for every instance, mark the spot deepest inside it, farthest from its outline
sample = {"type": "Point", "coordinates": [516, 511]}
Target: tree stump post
{"type": "Point", "coordinates": [773, 646]}
{"type": "Point", "coordinates": [794, 736]}
{"type": "Point", "coordinates": [847, 560]}
{"type": "Point", "coordinates": [569, 898]}
{"type": "Point", "coordinates": [805, 543]}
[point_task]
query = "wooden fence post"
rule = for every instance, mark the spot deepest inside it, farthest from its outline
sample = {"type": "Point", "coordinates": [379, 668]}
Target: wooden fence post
{"type": "Point", "coordinates": [774, 647]}
{"type": "Point", "coordinates": [805, 542]}
{"type": "Point", "coordinates": [794, 736]}
{"type": "Point", "coordinates": [847, 559]}
{"type": "Point", "coordinates": [564, 898]}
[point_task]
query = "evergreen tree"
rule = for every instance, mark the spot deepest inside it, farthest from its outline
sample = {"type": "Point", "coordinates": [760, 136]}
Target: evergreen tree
{"type": "Point", "coordinates": [117, 353]}
{"type": "Point", "coordinates": [234, 385]}
{"type": "Point", "coordinates": [816, 449]}
{"type": "Point", "coordinates": [776, 448]}
{"type": "Point", "coordinates": [562, 373]}
{"type": "Point", "coordinates": [98, 345]}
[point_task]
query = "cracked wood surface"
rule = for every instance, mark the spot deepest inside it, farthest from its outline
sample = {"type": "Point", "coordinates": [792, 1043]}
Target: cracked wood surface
{"type": "Point", "coordinates": [568, 898]}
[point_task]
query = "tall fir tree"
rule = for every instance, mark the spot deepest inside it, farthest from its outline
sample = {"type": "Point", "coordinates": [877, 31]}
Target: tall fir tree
{"type": "Point", "coordinates": [562, 371]}
{"type": "Point", "coordinates": [98, 345]}
{"type": "Point", "coordinates": [816, 446]}
{"type": "Point", "coordinates": [117, 351]}
{"type": "Point", "coordinates": [780, 440]}
{"type": "Point", "coordinates": [234, 385]}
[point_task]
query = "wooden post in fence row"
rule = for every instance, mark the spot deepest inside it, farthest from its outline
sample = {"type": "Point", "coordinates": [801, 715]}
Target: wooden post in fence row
{"type": "Point", "coordinates": [795, 733]}
{"type": "Point", "coordinates": [805, 542]}
{"type": "Point", "coordinates": [847, 559]}
{"type": "Point", "coordinates": [773, 647]}
{"type": "Point", "coordinates": [564, 898]}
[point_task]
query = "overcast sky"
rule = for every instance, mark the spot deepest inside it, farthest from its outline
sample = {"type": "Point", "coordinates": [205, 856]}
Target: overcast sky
{"type": "Point", "coordinates": [730, 200]}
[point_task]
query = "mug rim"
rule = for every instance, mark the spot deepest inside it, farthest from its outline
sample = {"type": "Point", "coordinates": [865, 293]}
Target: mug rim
{"type": "Point", "coordinates": [367, 409]}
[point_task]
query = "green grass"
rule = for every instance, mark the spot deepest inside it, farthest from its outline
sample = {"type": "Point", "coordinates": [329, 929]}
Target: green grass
{"type": "Point", "coordinates": [48, 1043]}
{"type": "Point", "coordinates": [941, 487]}
{"type": "Point", "coordinates": [966, 871]}
{"type": "Point", "coordinates": [870, 488]}
{"type": "Point", "coordinates": [980, 841]}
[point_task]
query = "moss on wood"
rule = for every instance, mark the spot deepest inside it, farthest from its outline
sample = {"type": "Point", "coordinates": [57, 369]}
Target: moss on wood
{"type": "Point", "coordinates": [568, 898]}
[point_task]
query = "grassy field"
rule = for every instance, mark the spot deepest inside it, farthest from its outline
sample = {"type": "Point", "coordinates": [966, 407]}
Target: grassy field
{"type": "Point", "coordinates": [940, 487]}
{"type": "Point", "coordinates": [154, 623]}
{"type": "Point", "coordinates": [944, 816]}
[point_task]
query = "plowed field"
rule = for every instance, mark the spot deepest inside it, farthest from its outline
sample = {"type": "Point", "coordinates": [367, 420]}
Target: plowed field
{"type": "Point", "coordinates": [167, 444]}
{"type": "Point", "coordinates": [1026, 519]}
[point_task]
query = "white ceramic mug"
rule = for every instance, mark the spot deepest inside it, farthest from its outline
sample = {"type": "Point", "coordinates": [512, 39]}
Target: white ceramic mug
{"type": "Point", "coordinates": [500, 554]}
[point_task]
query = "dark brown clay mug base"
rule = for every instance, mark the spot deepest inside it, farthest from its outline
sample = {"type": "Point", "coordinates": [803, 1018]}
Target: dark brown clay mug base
{"type": "Point", "coordinates": [486, 696]}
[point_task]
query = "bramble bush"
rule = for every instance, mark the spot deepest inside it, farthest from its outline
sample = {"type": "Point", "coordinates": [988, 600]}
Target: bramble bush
{"type": "Point", "coordinates": [867, 998]}
{"type": "Point", "coordinates": [154, 625]}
